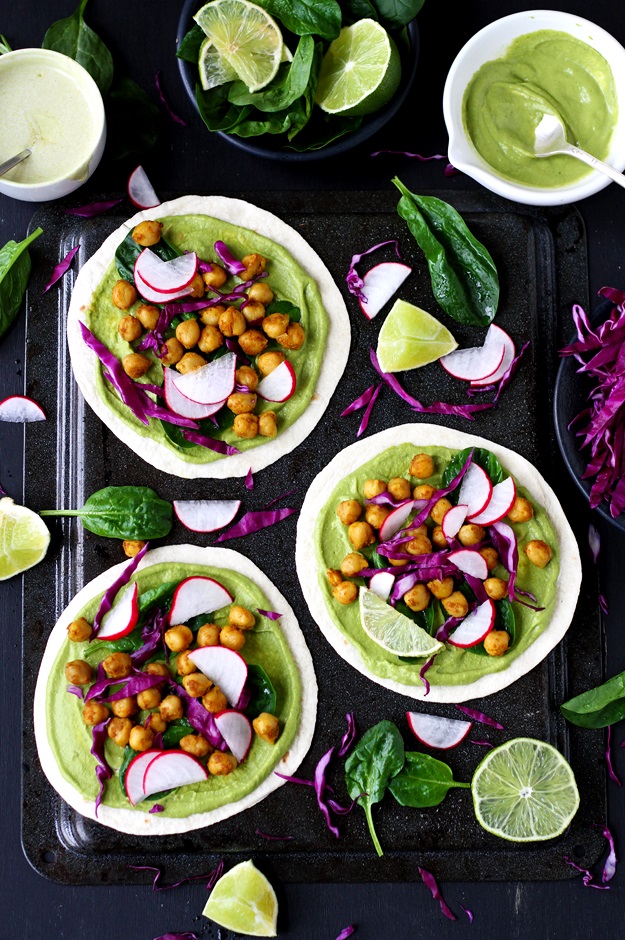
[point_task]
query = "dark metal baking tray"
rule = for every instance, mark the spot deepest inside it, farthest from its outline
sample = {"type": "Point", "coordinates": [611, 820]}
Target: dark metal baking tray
{"type": "Point", "coordinates": [541, 257]}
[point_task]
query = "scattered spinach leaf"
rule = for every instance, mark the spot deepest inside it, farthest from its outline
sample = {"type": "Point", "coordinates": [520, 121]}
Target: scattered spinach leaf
{"type": "Point", "coordinates": [377, 758]}
{"type": "Point", "coordinates": [176, 730]}
{"type": "Point", "coordinates": [123, 512]}
{"type": "Point", "coordinates": [423, 781]}
{"type": "Point", "coordinates": [4, 45]}
{"type": "Point", "coordinates": [217, 112]}
{"type": "Point", "coordinates": [14, 274]}
{"type": "Point", "coordinates": [189, 48]}
{"type": "Point", "coordinates": [285, 306]}
{"type": "Point", "coordinates": [128, 756]}
{"type": "Point", "coordinates": [160, 596]}
{"type": "Point", "coordinates": [133, 119]}
{"type": "Point", "coordinates": [506, 619]}
{"type": "Point", "coordinates": [262, 692]}
{"type": "Point", "coordinates": [128, 251]}
{"type": "Point", "coordinates": [322, 132]}
{"type": "Point", "coordinates": [307, 17]}
{"type": "Point", "coordinates": [423, 618]}
{"type": "Point", "coordinates": [126, 644]}
{"type": "Point", "coordinates": [175, 436]}
{"type": "Point", "coordinates": [598, 707]}
{"type": "Point", "coordinates": [484, 458]}
{"type": "Point", "coordinates": [72, 37]}
{"type": "Point", "coordinates": [284, 90]}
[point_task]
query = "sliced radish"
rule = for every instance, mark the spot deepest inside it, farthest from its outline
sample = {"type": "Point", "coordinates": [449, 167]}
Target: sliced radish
{"type": "Point", "coordinates": [236, 731]}
{"type": "Point", "coordinates": [156, 296]}
{"type": "Point", "coordinates": [209, 384]}
{"type": "Point", "coordinates": [453, 520]}
{"type": "Point", "coordinates": [183, 406]}
{"type": "Point", "coordinates": [171, 769]}
{"type": "Point", "coordinates": [477, 362]}
{"type": "Point", "coordinates": [382, 583]}
{"type": "Point", "coordinates": [197, 595]}
{"type": "Point", "coordinates": [20, 408]}
{"type": "Point", "coordinates": [206, 515]}
{"type": "Point", "coordinates": [395, 520]}
{"type": "Point", "coordinates": [133, 781]}
{"type": "Point", "coordinates": [475, 626]}
{"type": "Point", "coordinates": [122, 618]}
{"type": "Point", "coordinates": [500, 503]}
{"type": "Point", "coordinates": [380, 283]}
{"type": "Point", "coordinates": [140, 190]}
{"type": "Point", "coordinates": [436, 731]}
{"type": "Point", "coordinates": [470, 562]}
{"type": "Point", "coordinates": [508, 356]}
{"type": "Point", "coordinates": [223, 666]}
{"type": "Point", "coordinates": [280, 384]}
{"type": "Point", "coordinates": [167, 277]}
{"type": "Point", "coordinates": [475, 490]}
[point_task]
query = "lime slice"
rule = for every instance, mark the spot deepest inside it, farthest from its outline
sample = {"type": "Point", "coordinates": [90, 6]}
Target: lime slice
{"type": "Point", "coordinates": [24, 538]}
{"type": "Point", "coordinates": [214, 68]}
{"type": "Point", "coordinates": [360, 71]}
{"type": "Point", "coordinates": [410, 337]}
{"type": "Point", "coordinates": [246, 36]}
{"type": "Point", "coordinates": [524, 791]}
{"type": "Point", "coordinates": [392, 630]}
{"type": "Point", "coordinates": [244, 901]}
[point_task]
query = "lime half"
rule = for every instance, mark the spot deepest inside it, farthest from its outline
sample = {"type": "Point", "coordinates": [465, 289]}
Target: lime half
{"type": "Point", "coordinates": [410, 337]}
{"type": "Point", "coordinates": [392, 630]}
{"type": "Point", "coordinates": [214, 68]}
{"type": "Point", "coordinates": [24, 538]}
{"type": "Point", "coordinates": [524, 791]}
{"type": "Point", "coordinates": [247, 38]}
{"type": "Point", "coordinates": [244, 901]}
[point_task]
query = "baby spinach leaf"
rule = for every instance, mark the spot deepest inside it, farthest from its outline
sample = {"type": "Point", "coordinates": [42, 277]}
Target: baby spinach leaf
{"type": "Point", "coordinates": [176, 730]}
{"type": "Point", "coordinates": [463, 274]}
{"type": "Point", "coordinates": [189, 48]}
{"type": "Point", "coordinates": [128, 251]}
{"type": "Point", "coordinates": [4, 45]}
{"type": "Point", "coordinates": [175, 436]}
{"type": "Point", "coordinates": [288, 85]}
{"type": "Point", "coordinates": [73, 38]}
{"type": "Point", "coordinates": [358, 10]}
{"type": "Point", "coordinates": [159, 596]}
{"type": "Point", "coordinates": [484, 458]}
{"type": "Point", "coordinates": [377, 758]}
{"type": "Point", "coordinates": [424, 618]}
{"type": "Point", "coordinates": [285, 306]}
{"type": "Point", "coordinates": [289, 120]}
{"type": "Point", "coordinates": [123, 512]}
{"type": "Point", "coordinates": [126, 644]}
{"type": "Point", "coordinates": [307, 17]}
{"type": "Point", "coordinates": [14, 274]}
{"type": "Point", "coordinates": [422, 781]}
{"type": "Point", "coordinates": [506, 619]}
{"type": "Point", "coordinates": [262, 692]}
{"type": "Point", "coordinates": [598, 707]}
{"type": "Point", "coordinates": [322, 132]}
{"type": "Point", "coordinates": [134, 120]}
{"type": "Point", "coordinates": [397, 13]}
{"type": "Point", "coordinates": [217, 112]}
{"type": "Point", "coordinates": [129, 753]}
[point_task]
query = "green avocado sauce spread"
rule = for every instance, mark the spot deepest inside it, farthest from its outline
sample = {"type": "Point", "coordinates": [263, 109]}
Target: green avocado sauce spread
{"type": "Point", "coordinates": [265, 645]}
{"type": "Point", "coordinates": [452, 666]}
{"type": "Point", "coordinates": [544, 72]}
{"type": "Point", "coordinates": [288, 281]}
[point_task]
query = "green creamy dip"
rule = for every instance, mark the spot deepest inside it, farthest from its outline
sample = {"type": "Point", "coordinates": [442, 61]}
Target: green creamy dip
{"type": "Point", "coordinates": [70, 738]}
{"type": "Point", "coordinates": [545, 72]}
{"type": "Point", "coordinates": [452, 666]}
{"type": "Point", "coordinates": [287, 280]}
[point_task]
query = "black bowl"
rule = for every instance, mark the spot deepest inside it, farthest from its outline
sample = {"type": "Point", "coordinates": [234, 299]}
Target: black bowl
{"type": "Point", "coordinates": [267, 146]}
{"type": "Point", "coordinates": [571, 394]}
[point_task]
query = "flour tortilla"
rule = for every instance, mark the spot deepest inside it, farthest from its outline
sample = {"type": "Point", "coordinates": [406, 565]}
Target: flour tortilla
{"type": "Point", "coordinates": [236, 211]}
{"type": "Point", "coordinates": [432, 435]}
{"type": "Point", "coordinates": [135, 822]}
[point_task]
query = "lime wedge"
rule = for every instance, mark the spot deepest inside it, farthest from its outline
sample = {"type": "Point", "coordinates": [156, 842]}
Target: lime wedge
{"type": "Point", "coordinates": [247, 38]}
{"type": "Point", "coordinates": [524, 791]}
{"type": "Point", "coordinates": [24, 538]}
{"type": "Point", "coordinates": [410, 337]}
{"type": "Point", "coordinates": [214, 68]}
{"type": "Point", "coordinates": [392, 630]}
{"type": "Point", "coordinates": [244, 901]}
{"type": "Point", "coordinates": [360, 71]}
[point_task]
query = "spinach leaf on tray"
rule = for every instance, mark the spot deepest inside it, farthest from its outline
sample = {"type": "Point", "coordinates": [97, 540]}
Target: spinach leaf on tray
{"type": "Point", "coordinates": [598, 707]}
{"type": "Point", "coordinates": [72, 37]}
{"type": "Point", "coordinates": [14, 274]}
{"type": "Point", "coordinates": [377, 758]}
{"type": "Point", "coordinates": [4, 45]}
{"type": "Point", "coordinates": [423, 781]}
{"type": "Point", "coordinates": [123, 512]}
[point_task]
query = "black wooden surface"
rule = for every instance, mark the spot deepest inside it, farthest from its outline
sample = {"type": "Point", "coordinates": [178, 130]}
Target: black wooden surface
{"type": "Point", "coordinates": [142, 39]}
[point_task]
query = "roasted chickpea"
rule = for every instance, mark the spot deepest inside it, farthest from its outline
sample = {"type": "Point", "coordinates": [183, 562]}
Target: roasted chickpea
{"type": "Point", "coordinates": [399, 488]}
{"type": "Point", "coordinates": [216, 277]}
{"type": "Point", "coordinates": [360, 534]}
{"type": "Point", "coordinates": [348, 511]}
{"type": "Point", "coordinates": [171, 708]}
{"type": "Point", "coordinates": [220, 764]}
{"type": "Point", "coordinates": [538, 553]}
{"type": "Point", "coordinates": [210, 315]}
{"type": "Point", "coordinates": [129, 328]}
{"type": "Point", "coordinates": [156, 723]}
{"type": "Point", "coordinates": [490, 556]}
{"type": "Point", "coordinates": [195, 744]}
{"type": "Point", "coordinates": [375, 515]}
{"type": "Point", "coordinates": [245, 375]}
{"type": "Point", "coordinates": [276, 324]}
{"type": "Point", "coordinates": [175, 352]}
{"type": "Point", "coordinates": [420, 545]}
{"type": "Point", "coordinates": [132, 547]}
{"type": "Point", "coordinates": [267, 424]}
{"type": "Point", "coordinates": [190, 362]}
{"type": "Point", "coordinates": [148, 315]}
{"type": "Point", "coordinates": [496, 642]}
{"type": "Point", "coordinates": [269, 361]}
{"type": "Point", "coordinates": [135, 365]}
{"type": "Point", "coordinates": [253, 312]}
{"type": "Point", "coordinates": [398, 562]}
{"type": "Point", "coordinates": [437, 537]}
{"type": "Point", "coordinates": [438, 510]}
{"type": "Point", "coordinates": [208, 635]}
{"type": "Point", "coordinates": [178, 638]}
{"type": "Point", "coordinates": [261, 292]}
{"type": "Point", "coordinates": [293, 338]}
{"type": "Point", "coordinates": [117, 665]}
{"type": "Point", "coordinates": [149, 698]}
{"type": "Point", "coordinates": [119, 730]}
{"type": "Point", "coordinates": [79, 630]}
{"type": "Point", "coordinates": [123, 295]}
{"type": "Point", "coordinates": [125, 707]}
{"type": "Point", "coordinates": [441, 589]}
{"type": "Point", "coordinates": [246, 426]}
{"type": "Point", "coordinates": [78, 672]}
{"type": "Point", "coordinates": [373, 488]}
{"type": "Point", "coordinates": [421, 466]}
{"type": "Point", "coordinates": [188, 333]}
{"type": "Point", "coordinates": [267, 727]}
{"type": "Point", "coordinates": [423, 491]}
{"type": "Point", "coordinates": [418, 597]}
{"type": "Point", "coordinates": [352, 564]}
{"type": "Point", "coordinates": [471, 534]}
{"type": "Point", "coordinates": [254, 265]}
{"type": "Point", "coordinates": [456, 604]}
{"type": "Point", "coordinates": [242, 403]}
{"type": "Point", "coordinates": [94, 712]}
{"type": "Point", "coordinates": [241, 617]}
{"type": "Point", "coordinates": [210, 339]}
{"type": "Point", "coordinates": [198, 287]}
{"type": "Point", "coordinates": [214, 700]}
{"type": "Point", "coordinates": [334, 576]}
{"type": "Point", "coordinates": [252, 342]}
{"type": "Point", "coordinates": [231, 637]}
{"type": "Point", "coordinates": [346, 592]}
{"type": "Point", "coordinates": [141, 739]}
{"type": "Point", "coordinates": [522, 510]}
{"type": "Point", "coordinates": [184, 666]}
{"type": "Point", "coordinates": [232, 322]}
{"type": "Point", "coordinates": [197, 684]}
{"type": "Point", "coordinates": [420, 530]}
{"type": "Point", "coordinates": [147, 233]}
{"type": "Point", "coordinates": [496, 588]}
{"type": "Point", "coordinates": [157, 669]}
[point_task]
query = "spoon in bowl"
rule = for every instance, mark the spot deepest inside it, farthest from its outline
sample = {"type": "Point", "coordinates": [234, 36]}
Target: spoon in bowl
{"type": "Point", "coordinates": [13, 161]}
{"type": "Point", "coordinates": [551, 139]}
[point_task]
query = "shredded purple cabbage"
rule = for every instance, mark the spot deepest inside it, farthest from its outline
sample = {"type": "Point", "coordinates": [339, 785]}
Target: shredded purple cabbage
{"type": "Point", "coordinates": [481, 743]}
{"type": "Point", "coordinates": [348, 738]}
{"type": "Point", "coordinates": [505, 541]}
{"type": "Point", "coordinates": [364, 424]}
{"type": "Point", "coordinates": [290, 779]}
{"type": "Point", "coordinates": [230, 263]}
{"type": "Point", "coordinates": [480, 716]}
{"type": "Point", "coordinates": [61, 268]}
{"type": "Point", "coordinates": [320, 786]}
{"type": "Point", "coordinates": [253, 521]}
{"type": "Point", "coordinates": [609, 866]}
{"type": "Point", "coordinates": [430, 881]}
{"type": "Point", "coordinates": [165, 103]}
{"type": "Point", "coordinates": [111, 592]}
{"type": "Point", "coordinates": [282, 496]}
{"type": "Point", "coordinates": [134, 685]}
{"type": "Point", "coordinates": [201, 719]}
{"type": "Point", "coordinates": [422, 673]}
{"type": "Point", "coordinates": [415, 156]}
{"type": "Point", "coordinates": [94, 208]}
{"type": "Point", "coordinates": [187, 935]}
{"type": "Point", "coordinates": [361, 402]}
{"type": "Point", "coordinates": [220, 447]}
{"type": "Point", "coordinates": [603, 604]}
{"type": "Point", "coordinates": [271, 614]}
{"type": "Point", "coordinates": [215, 875]}
{"type": "Point", "coordinates": [157, 808]}
{"type": "Point", "coordinates": [346, 932]}
{"type": "Point", "coordinates": [130, 392]}
{"type": "Point", "coordinates": [249, 480]}
{"type": "Point", "coordinates": [76, 690]}
{"type": "Point", "coordinates": [446, 629]}
{"type": "Point", "coordinates": [155, 884]}
{"type": "Point", "coordinates": [608, 758]}
{"type": "Point", "coordinates": [102, 771]}
{"type": "Point", "coordinates": [468, 913]}
{"type": "Point", "coordinates": [270, 838]}
{"type": "Point", "coordinates": [344, 810]}
{"type": "Point", "coordinates": [588, 876]}
{"type": "Point", "coordinates": [152, 634]}
{"type": "Point", "coordinates": [354, 282]}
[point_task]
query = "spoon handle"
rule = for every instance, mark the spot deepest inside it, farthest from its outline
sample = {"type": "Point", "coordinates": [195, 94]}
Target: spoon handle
{"type": "Point", "coordinates": [13, 161]}
{"type": "Point", "coordinates": [596, 164]}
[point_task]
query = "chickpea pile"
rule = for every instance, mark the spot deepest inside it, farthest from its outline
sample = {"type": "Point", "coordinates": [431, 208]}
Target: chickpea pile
{"type": "Point", "coordinates": [130, 725]}
{"type": "Point", "coordinates": [195, 338]}
{"type": "Point", "coordinates": [363, 532]}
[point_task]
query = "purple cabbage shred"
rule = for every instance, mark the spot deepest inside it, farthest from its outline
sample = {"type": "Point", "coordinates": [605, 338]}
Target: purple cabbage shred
{"type": "Point", "coordinates": [271, 614]}
{"type": "Point", "coordinates": [290, 779]}
{"type": "Point", "coordinates": [608, 758]}
{"type": "Point", "coordinates": [187, 935]}
{"type": "Point", "coordinates": [157, 808]}
{"type": "Point", "coordinates": [320, 786]}
{"type": "Point", "coordinates": [231, 264]}
{"type": "Point", "coordinates": [253, 521]}
{"type": "Point", "coordinates": [364, 424]}
{"type": "Point", "coordinates": [271, 838]}
{"type": "Point", "coordinates": [183, 881]}
{"type": "Point", "coordinates": [61, 268]}
{"type": "Point", "coordinates": [609, 866]}
{"type": "Point", "coordinates": [430, 881]}
{"type": "Point", "coordinates": [346, 932]}
{"type": "Point", "coordinates": [201, 719]}
{"type": "Point", "coordinates": [480, 716]}
{"type": "Point", "coordinates": [282, 496]}
{"type": "Point", "coordinates": [102, 771]}
{"type": "Point", "coordinates": [481, 743]}
{"type": "Point", "coordinates": [468, 913]}
{"type": "Point", "coordinates": [422, 674]}
{"type": "Point", "coordinates": [76, 690]}
{"type": "Point", "coordinates": [152, 634]}
{"type": "Point", "coordinates": [111, 592]}
{"type": "Point", "coordinates": [220, 447]}
{"type": "Point", "coordinates": [348, 738]}
{"type": "Point", "coordinates": [588, 876]}
{"type": "Point", "coordinates": [249, 480]}
{"type": "Point", "coordinates": [134, 685]}
{"type": "Point", "coordinates": [94, 208]}
{"type": "Point", "coordinates": [361, 402]}
{"type": "Point", "coordinates": [175, 117]}
{"type": "Point", "coordinates": [354, 282]}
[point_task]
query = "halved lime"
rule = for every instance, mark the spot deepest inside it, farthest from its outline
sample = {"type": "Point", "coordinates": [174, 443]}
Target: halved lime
{"type": "Point", "coordinates": [244, 901]}
{"type": "Point", "coordinates": [524, 791]}
{"type": "Point", "coordinates": [410, 337]}
{"type": "Point", "coordinates": [392, 630]}
{"type": "Point", "coordinates": [24, 538]}
{"type": "Point", "coordinates": [246, 36]}
{"type": "Point", "coordinates": [360, 71]}
{"type": "Point", "coordinates": [214, 67]}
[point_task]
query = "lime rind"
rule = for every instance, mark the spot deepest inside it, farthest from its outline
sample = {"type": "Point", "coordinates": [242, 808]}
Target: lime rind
{"type": "Point", "coordinates": [244, 901]}
{"type": "Point", "coordinates": [213, 67]}
{"type": "Point", "coordinates": [410, 338]}
{"type": "Point", "coordinates": [24, 538]}
{"type": "Point", "coordinates": [392, 630]}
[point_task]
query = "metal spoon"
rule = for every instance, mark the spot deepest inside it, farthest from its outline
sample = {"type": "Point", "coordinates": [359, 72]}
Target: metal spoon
{"type": "Point", "coordinates": [13, 161]}
{"type": "Point", "coordinates": [551, 139]}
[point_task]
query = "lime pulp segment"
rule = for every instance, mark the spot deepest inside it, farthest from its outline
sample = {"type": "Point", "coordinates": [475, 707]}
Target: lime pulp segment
{"type": "Point", "coordinates": [410, 337]}
{"type": "Point", "coordinates": [24, 538]}
{"type": "Point", "coordinates": [244, 901]}
{"type": "Point", "coordinates": [392, 630]}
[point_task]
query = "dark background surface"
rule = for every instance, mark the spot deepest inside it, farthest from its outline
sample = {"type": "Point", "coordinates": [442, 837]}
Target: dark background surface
{"type": "Point", "coordinates": [188, 159]}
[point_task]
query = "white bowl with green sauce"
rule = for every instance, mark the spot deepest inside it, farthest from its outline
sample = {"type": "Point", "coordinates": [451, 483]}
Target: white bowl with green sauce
{"type": "Point", "coordinates": [51, 104]}
{"type": "Point", "coordinates": [508, 76]}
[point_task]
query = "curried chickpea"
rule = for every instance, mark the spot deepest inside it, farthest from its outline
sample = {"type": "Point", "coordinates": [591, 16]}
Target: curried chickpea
{"type": "Point", "coordinates": [496, 642]}
{"type": "Point", "coordinates": [348, 511]}
{"type": "Point", "coordinates": [79, 630]}
{"type": "Point", "coordinates": [334, 576]}
{"type": "Point", "coordinates": [216, 277]}
{"type": "Point", "coordinates": [261, 292]}
{"type": "Point", "coordinates": [276, 324]}
{"type": "Point", "coordinates": [125, 707]}
{"type": "Point", "coordinates": [398, 562]}
{"type": "Point", "coordinates": [210, 315]}
{"type": "Point", "coordinates": [246, 375]}
{"type": "Point", "coordinates": [496, 588]}
{"type": "Point", "coordinates": [231, 637]}
{"type": "Point", "coordinates": [208, 635]}
{"type": "Point", "coordinates": [417, 598]}
{"type": "Point", "coordinates": [190, 362]}
{"type": "Point", "coordinates": [147, 315]}
{"type": "Point", "coordinates": [129, 328]}
{"type": "Point", "coordinates": [375, 515]}
{"type": "Point", "coordinates": [232, 322]}
{"type": "Point", "coordinates": [423, 491]}
{"type": "Point", "coordinates": [241, 617]}
{"type": "Point", "coordinates": [252, 342]}
{"type": "Point", "coordinates": [269, 361]}
{"type": "Point", "coordinates": [352, 564]}
{"type": "Point", "coordinates": [246, 426]}
{"type": "Point", "coordinates": [147, 233]}
{"type": "Point", "coordinates": [345, 593]}
{"type": "Point", "coordinates": [522, 510]}
{"type": "Point", "coordinates": [373, 488]}
{"type": "Point", "coordinates": [220, 764]}
{"type": "Point", "coordinates": [132, 547]}
{"type": "Point", "coordinates": [437, 538]}
{"type": "Point", "coordinates": [242, 403]}
{"type": "Point", "coordinates": [420, 545]}
{"type": "Point", "coordinates": [470, 534]}
{"type": "Point", "coordinates": [490, 556]}
{"type": "Point", "coordinates": [421, 466]}
{"type": "Point", "coordinates": [156, 723]}
{"type": "Point", "coordinates": [188, 333]}
{"type": "Point", "coordinates": [117, 665]}
{"type": "Point", "coordinates": [456, 604]}
{"type": "Point", "coordinates": [141, 739]}
{"type": "Point", "coordinates": [267, 424]}
{"type": "Point", "coordinates": [124, 294]}
{"type": "Point", "coordinates": [538, 553]}
{"type": "Point", "coordinates": [149, 698]}
{"type": "Point", "coordinates": [94, 713]}
{"type": "Point", "coordinates": [253, 312]}
{"type": "Point", "coordinates": [399, 488]}
{"type": "Point", "coordinates": [420, 530]}
{"type": "Point", "coordinates": [197, 684]}
{"type": "Point", "coordinates": [210, 339]}
{"type": "Point", "coordinates": [171, 708]}
{"type": "Point", "coordinates": [438, 510]}
{"type": "Point", "coordinates": [360, 534]}
{"type": "Point", "coordinates": [441, 588]}
{"type": "Point", "coordinates": [254, 265]}
{"type": "Point", "coordinates": [178, 638]}
{"type": "Point", "coordinates": [119, 730]}
{"type": "Point", "coordinates": [214, 700]}
{"type": "Point", "coordinates": [184, 666]}
{"type": "Point", "coordinates": [293, 338]}
{"type": "Point", "coordinates": [267, 727]}
{"type": "Point", "coordinates": [78, 672]}
{"type": "Point", "coordinates": [135, 365]}
{"type": "Point", "coordinates": [198, 287]}
{"type": "Point", "coordinates": [157, 669]}
{"type": "Point", "coordinates": [175, 352]}
{"type": "Point", "coordinates": [195, 744]}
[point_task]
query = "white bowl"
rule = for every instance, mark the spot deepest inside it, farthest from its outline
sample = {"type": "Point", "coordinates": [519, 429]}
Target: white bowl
{"type": "Point", "coordinates": [491, 43]}
{"type": "Point", "coordinates": [36, 65]}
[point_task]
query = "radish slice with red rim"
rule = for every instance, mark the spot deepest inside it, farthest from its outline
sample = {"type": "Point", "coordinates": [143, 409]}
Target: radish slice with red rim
{"type": "Point", "coordinates": [236, 731]}
{"type": "Point", "coordinates": [20, 408]}
{"type": "Point", "coordinates": [381, 283]}
{"type": "Point", "coordinates": [475, 490]}
{"type": "Point", "coordinates": [155, 296]}
{"type": "Point", "coordinates": [500, 503]}
{"type": "Point", "coordinates": [183, 406]}
{"type": "Point", "coordinates": [382, 583]}
{"type": "Point", "coordinates": [133, 779]}
{"type": "Point", "coordinates": [470, 562]}
{"type": "Point", "coordinates": [166, 277]}
{"type": "Point", "coordinates": [224, 667]}
{"type": "Point", "coordinates": [206, 515]}
{"type": "Point", "coordinates": [197, 595]}
{"type": "Point", "coordinates": [121, 619]}
{"type": "Point", "coordinates": [395, 520]}
{"type": "Point", "coordinates": [438, 732]}
{"type": "Point", "coordinates": [280, 384]}
{"type": "Point", "coordinates": [453, 520]}
{"type": "Point", "coordinates": [477, 363]}
{"type": "Point", "coordinates": [475, 627]}
{"type": "Point", "coordinates": [209, 384]}
{"type": "Point", "coordinates": [140, 190]}
{"type": "Point", "coordinates": [171, 769]}
{"type": "Point", "coordinates": [506, 362]}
